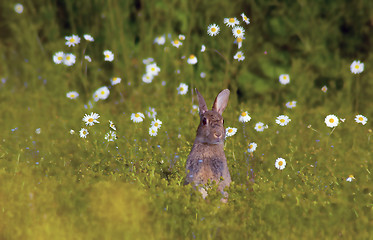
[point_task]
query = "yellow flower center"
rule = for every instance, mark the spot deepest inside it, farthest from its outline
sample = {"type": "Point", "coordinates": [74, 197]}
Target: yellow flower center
{"type": "Point", "coordinates": [153, 69]}
{"type": "Point", "coordinates": [282, 120]}
{"type": "Point", "coordinates": [238, 31]}
{"type": "Point", "coordinates": [230, 130]}
{"type": "Point", "coordinates": [331, 120]}
{"type": "Point", "coordinates": [72, 95]}
{"type": "Point", "coordinates": [137, 115]}
{"type": "Point", "coordinates": [102, 92]}
{"type": "Point", "coordinates": [192, 56]}
{"type": "Point", "coordinates": [156, 124]}
{"type": "Point", "coordinates": [231, 20]}
{"type": "Point", "coordinates": [361, 118]}
{"type": "Point", "coordinates": [243, 114]}
{"type": "Point", "coordinates": [351, 176]}
{"type": "Point", "coordinates": [284, 77]}
{"type": "Point", "coordinates": [90, 120]}
{"type": "Point", "coordinates": [239, 40]}
{"type": "Point", "coordinates": [245, 18]}
{"type": "Point", "coordinates": [68, 58]}
{"type": "Point", "coordinates": [251, 146]}
{"type": "Point", "coordinates": [72, 40]}
{"type": "Point", "coordinates": [260, 127]}
{"type": "Point", "coordinates": [280, 163]}
{"type": "Point", "coordinates": [181, 89]}
{"type": "Point", "coordinates": [213, 29]}
{"type": "Point", "coordinates": [60, 58]}
{"type": "Point", "coordinates": [176, 41]}
{"type": "Point", "coordinates": [357, 66]}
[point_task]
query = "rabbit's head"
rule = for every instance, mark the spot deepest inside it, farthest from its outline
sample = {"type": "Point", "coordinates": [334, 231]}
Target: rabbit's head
{"type": "Point", "coordinates": [211, 128]}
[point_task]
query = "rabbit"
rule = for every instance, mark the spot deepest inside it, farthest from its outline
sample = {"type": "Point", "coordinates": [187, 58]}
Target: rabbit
{"type": "Point", "coordinates": [206, 160]}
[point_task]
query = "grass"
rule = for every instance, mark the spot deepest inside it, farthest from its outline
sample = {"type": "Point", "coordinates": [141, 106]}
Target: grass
{"type": "Point", "coordinates": [57, 185]}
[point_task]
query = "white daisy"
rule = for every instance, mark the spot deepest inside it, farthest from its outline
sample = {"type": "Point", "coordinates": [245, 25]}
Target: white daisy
{"type": "Point", "coordinates": [195, 109]}
{"type": "Point", "coordinates": [72, 131]}
{"type": "Point", "coordinates": [192, 59]}
{"type": "Point", "coordinates": [213, 29]}
{"type": "Point", "coordinates": [152, 69]}
{"type": "Point", "coordinates": [203, 48]}
{"type": "Point", "coordinates": [252, 147]}
{"type": "Point", "coordinates": [181, 37]}
{"type": "Point", "coordinates": [324, 89]}
{"type": "Point", "coordinates": [153, 131]}
{"type": "Point", "coordinates": [244, 117]}
{"type": "Point", "coordinates": [245, 19]}
{"type": "Point", "coordinates": [112, 126]}
{"type": "Point", "coordinates": [284, 79]}
{"type": "Point", "coordinates": [115, 80]}
{"type": "Point", "coordinates": [88, 58]}
{"type": "Point", "coordinates": [147, 61]}
{"type": "Point", "coordinates": [361, 119]}
{"type": "Point", "coordinates": [88, 37]}
{"type": "Point", "coordinates": [238, 41]}
{"type": "Point", "coordinates": [69, 59]}
{"type": "Point", "coordinates": [231, 22]}
{"type": "Point", "coordinates": [238, 32]}
{"type": "Point", "coordinates": [291, 104]}
{"type": "Point", "coordinates": [151, 112]}
{"type": "Point", "coordinates": [72, 40]}
{"type": "Point", "coordinates": [350, 178]}
{"type": "Point", "coordinates": [58, 57]}
{"type": "Point", "coordinates": [110, 136]}
{"type": "Point", "coordinates": [147, 78]}
{"type": "Point", "coordinates": [176, 43]}
{"type": "Point", "coordinates": [161, 40]}
{"type": "Point", "coordinates": [137, 117]}
{"type": "Point", "coordinates": [282, 120]}
{"type": "Point", "coordinates": [182, 89]}
{"type": "Point", "coordinates": [72, 94]}
{"type": "Point", "coordinates": [109, 55]}
{"type": "Point", "coordinates": [102, 93]}
{"type": "Point", "coordinates": [239, 56]}
{"type": "Point", "coordinates": [18, 8]}
{"type": "Point", "coordinates": [38, 130]}
{"type": "Point", "coordinates": [280, 163]}
{"type": "Point", "coordinates": [202, 75]}
{"type": "Point", "coordinates": [357, 67]}
{"type": "Point", "coordinates": [259, 127]}
{"type": "Point", "coordinates": [331, 121]}
{"type": "Point", "coordinates": [156, 123]}
{"type": "Point", "coordinates": [83, 133]}
{"type": "Point", "coordinates": [229, 131]}
{"type": "Point", "coordinates": [91, 119]}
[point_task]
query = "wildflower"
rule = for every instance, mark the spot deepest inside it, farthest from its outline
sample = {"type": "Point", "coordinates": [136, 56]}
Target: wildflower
{"type": "Point", "coordinates": [69, 59]}
{"type": "Point", "coordinates": [161, 40]}
{"type": "Point", "coordinates": [331, 121]}
{"type": "Point", "coordinates": [18, 8]}
{"type": "Point", "coordinates": [176, 43]}
{"type": "Point", "coordinates": [181, 37]}
{"type": "Point", "coordinates": [284, 79]}
{"type": "Point", "coordinates": [72, 131]}
{"type": "Point", "coordinates": [72, 40]}
{"type": "Point", "coordinates": [137, 117]}
{"type": "Point", "coordinates": [147, 78]}
{"type": "Point", "coordinates": [239, 56]}
{"type": "Point", "coordinates": [88, 58]}
{"type": "Point", "coordinates": [147, 61]}
{"type": "Point", "coordinates": [72, 94]}
{"type": "Point", "coordinates": [244, 117]}
{"type": "Point", "coordinates": [350, 178]}
{"type": "Point", "coordinates": [182, 89]}
{"type": "Point", "coordinates": [357, 67]}
{"type": "Point", "coordinates": [38, 130]}
{"type": "Point", "coordinates": [229, 131]}
{"type": "Point", "coordinates": [109, 55]}
{"type": "Point", "coordinates": [231, 22]}
{"type": "Point", "coordinates": [245, 19]}
{"type": "Point", "coordinates": [282, 120]}
{"type": "Point", "coordinates": [91, 119]}
{"type": "Point", "coordinates": [213, 30]}
{"type": "Point", "coordinates": [195, 109]}
{"type": "Point", "coordinates": [238, 32]}
{"type": "Point", "coordinates": [324, 89]}
{"type": "Point", "coordinates": [153, 131]}
{"type": "Point", "coordinates": [252, 147]}
{"type": "Point", "coordinates": [203, 48]}
{"type": "Point", "coordinates": [152, 69]}
{"type": "Point", "coordinates": [202, 75]}
{"type": "Point", "coordinates": [239, 41]}
{"type": "Point", "coordinates": [151, 113]}
{"type": "Point", "coordinates": [112, 126]}
{"type": "Point", "coordinates": [110, 136]}
{"type": "Point", "coordinates": [156, 123]}
{"type": "Point", "coordinates": [88, 37]}
{"type": "Point", "coordinates": [259, 127]}
{"type": "Point", "coordinates": [102, 93]}
{"type": "Point", "coordinates": [291, 104]}
{"type": "Point", "coordinates": [83, 133]}
{"type": "Point", "coordinates": [58, 57]}
{"type": "Point", "coordinates": [280, 163]}
{"type": "Point", "coordinates": [361, 119]}
{"type": "Point", "coordinates": [192, 59]}
{"type": "Point", "coordinates": [115, 80]}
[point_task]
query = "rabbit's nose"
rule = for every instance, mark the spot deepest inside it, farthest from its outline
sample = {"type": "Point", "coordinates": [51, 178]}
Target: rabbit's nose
{"type": "Point", "coordinates": [217, 135]}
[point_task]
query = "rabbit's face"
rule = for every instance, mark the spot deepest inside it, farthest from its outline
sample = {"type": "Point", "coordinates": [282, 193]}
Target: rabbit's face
{"type": "Point", "coordinates": [211, 129]}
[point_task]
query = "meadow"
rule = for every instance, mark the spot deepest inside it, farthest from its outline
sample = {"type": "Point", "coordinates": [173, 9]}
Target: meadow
{"type": "Point", "coordinates": [67, 173]}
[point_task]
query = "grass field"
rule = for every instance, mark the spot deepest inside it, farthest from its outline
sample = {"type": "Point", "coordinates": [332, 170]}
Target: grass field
{"type": "Point", "coordinates": [119, 182]}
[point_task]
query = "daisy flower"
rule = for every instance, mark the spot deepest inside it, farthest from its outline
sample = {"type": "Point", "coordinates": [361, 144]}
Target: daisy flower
{"type": "Point", "coordinates": [72, 131]}
{"type": "Point", "coordinates": [357, 67]}
{"type": "Point", "coordinates": [151, 112]}
{"type": "Point", "coordinates": [153, 131]}
{"type": "Point", "coordinates": [102, 93]}
{"type": "Point", "coordinates": [38, 130]}
{"type": "Point", "coordinates": [244, 117]}
{"type": "Point", "coordinates": [231, 22]}
{"type": "Point", "coordinates": [245, 19]}
{"type": "Point", "coordinates": [137, 117]}
{"type": "Point", "coordinates": [109, 55]}
{"type": "Point", "coordinates": [156, 123]}
{"type": "Point", "coordinates": [72, 94]}
{"type": "Point", "coordinates": [202, 75]}
{"type": "Point", "coordinates": [324, 89]}
{"type": "Point", "coordinates": [69, 59]}
{"type": "Point", "coordinates": [331, 121]}
{"type": "Point", "coordinates": [18, 8]}
{"type": "Point", "coordinates": [72, 40]}
{"type": "Point", "coordinates": [147, 78]}
{"type": "Point", "coordinates": [176, 43]}
{"type": "Point", "coordinates": [147, 61]}
{"type": "Point", "coordinates": [195, 109]}
{"type": "Point", "coordinates": [152, 69]}
{"type": "Point", "coordinates": [259, 127]}
{"type": "Point", "coordinates": [280, 163]}
{"type": "Point", "coordinates": [83, 133]}
{"type": "Point", "coordinates": [192, 59]}
{"type": "Point", "coordinates": [91, 119]}
{"type": "Point", "coordinates": [112, 126]}
{"type": "Point", "coordinates": [110, 136]}
{"type": "Point", "coordinates": [88, 37]}
{"type": "Point", "coordinates": [282, 120]}
{"type": "Point", "coordinates": [182, 89]}
{"type": "Point", "coordinates": [213, 29]}
{"type": "Point", "coordinates": [181, 37]}
{"type": "Point", "coordinates": [238, 32]}
{"type": "Point", "coordinates": [239, 56]}
{"type": "Point", "coordinates": [115, 80]}
{"type": "Point", "coordinates": [284, 79]}
{"type": "Point", "coordinates": [88, 58]}
{"type": "Point", "coordinates": [361, 119]}
{"type": "Point", "coordinates": [161, 40]}
{"type": "Point", "coordinates": [203, 48]}
{"type": "Point", "coordinates": [291, 104]}
{"type": "Point", "coordinates": [252, 147]}
{"type": "Point", "coordinates": [350, 178]}
{"type": "Point", "coordinates": [229, 131]}
{"type": "Point", "coordinates": [58, 57]}
{"type": "Point", "coordinates": [239, 42]}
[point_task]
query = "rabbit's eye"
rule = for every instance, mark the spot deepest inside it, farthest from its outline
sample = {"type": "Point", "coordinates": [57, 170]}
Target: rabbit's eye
{"type": "Point", "coordinates": [204, 121]}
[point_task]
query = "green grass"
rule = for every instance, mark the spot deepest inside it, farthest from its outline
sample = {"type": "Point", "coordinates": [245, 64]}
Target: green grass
{"type": "Point", "coordinates": [56, 185]}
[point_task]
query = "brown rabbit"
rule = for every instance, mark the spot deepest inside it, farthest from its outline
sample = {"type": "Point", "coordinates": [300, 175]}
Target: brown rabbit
{"type": "Point", "coordinates": [206, 160]}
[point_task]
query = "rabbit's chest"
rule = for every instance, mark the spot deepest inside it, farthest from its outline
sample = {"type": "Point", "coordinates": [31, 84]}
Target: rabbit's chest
{"type": "Point", "coordinates": [209, 169]}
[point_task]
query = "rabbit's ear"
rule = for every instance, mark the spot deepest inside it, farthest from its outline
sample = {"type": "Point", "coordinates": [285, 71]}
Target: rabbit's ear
{"type": "Point", "coordinates": [221, 101]}
{"type": "Point", "coordinates": [202, 103]}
